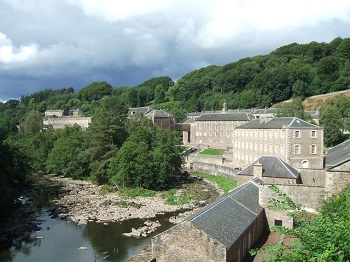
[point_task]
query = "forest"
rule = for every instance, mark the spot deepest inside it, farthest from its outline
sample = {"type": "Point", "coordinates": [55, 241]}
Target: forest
{"type": "Point", "coordinates": [106, 151]}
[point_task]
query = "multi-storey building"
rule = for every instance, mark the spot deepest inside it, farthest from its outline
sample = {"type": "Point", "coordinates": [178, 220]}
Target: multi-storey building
{"type": "Point", "coordinates": [214, 130]}
{"type": "Point", "coordinates": [56, 119]}
{"type": "Point", "coordinates": [293, 140]}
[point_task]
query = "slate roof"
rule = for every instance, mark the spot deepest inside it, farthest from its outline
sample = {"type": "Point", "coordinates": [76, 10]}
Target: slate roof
{"type": "Point", "coordinates": [226, 219]}
{"type": "Point", "coordinates": [277, 123]}
{"type": "Point", "coordinates": [272, 167]}
{"type": "Point", "coordinates": [227, 116]}
{"type": "Point", "coordinates": [158, 113]}
{"type": "Point", "coordinates": [338, 155]}
{"type": "Point", "coordinates": [134, 110]}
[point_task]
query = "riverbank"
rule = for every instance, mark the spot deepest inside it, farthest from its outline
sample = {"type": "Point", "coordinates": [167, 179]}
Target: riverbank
{"type": "Point", "coordinates": [82, 201]}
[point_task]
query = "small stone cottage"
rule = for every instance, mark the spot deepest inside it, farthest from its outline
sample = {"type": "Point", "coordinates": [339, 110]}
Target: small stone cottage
{"type": "Point", "coordinates": [223, 231]}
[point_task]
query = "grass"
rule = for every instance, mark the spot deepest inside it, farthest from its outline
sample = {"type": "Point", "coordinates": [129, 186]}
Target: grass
{"type": "Point", "coordinates": [212, 152]}
{"type": "Point", "coordinates": [225, 183]}
{"type": "Point", "coordinates": [171, 198]}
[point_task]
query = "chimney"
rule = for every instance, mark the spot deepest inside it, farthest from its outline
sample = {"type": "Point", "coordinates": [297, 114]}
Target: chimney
{"type": "Point", "coordinates": [258, 169]}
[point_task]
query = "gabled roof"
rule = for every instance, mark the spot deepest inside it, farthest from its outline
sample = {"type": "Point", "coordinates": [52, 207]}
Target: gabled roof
{"type": "Point", "coordinates": [277, 123]}
{"type": "Point", "coordinates": [227, 116]}
{"type": "Point", "coordinates": [158, 113]}
{"type": "Point", "coordinates": [226, 219]}
{"type": "Point", "coordinates": [143, 110]}
{"type": "Point", "coordinates": [272, 167]}
{"type": "Point", "coordinates": [338, 155]}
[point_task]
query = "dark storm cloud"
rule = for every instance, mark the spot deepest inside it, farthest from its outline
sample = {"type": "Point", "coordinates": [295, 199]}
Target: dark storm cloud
{"type": "Point", "coordinates": [63, 43]}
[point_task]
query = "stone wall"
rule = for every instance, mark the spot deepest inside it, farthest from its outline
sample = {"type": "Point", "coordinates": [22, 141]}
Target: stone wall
{"type": "Point", "coordinates": [313, 177]}
{"type": "Point", "coordinates": [337, 178]}
{"type": "Point", "coordinates": [213, 169]}
{"type": "Point", "coordinates": [308, 197]}
{"type": "Point", "coordinates": [184, 242]}
{"type": "Point", "coordinates": [218, 160]}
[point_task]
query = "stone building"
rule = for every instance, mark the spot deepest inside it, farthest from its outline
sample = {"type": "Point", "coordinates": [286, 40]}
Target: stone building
{"type": "Point", "coordinates": [56, 119]}
{"type": "Point", "coordinates": [223, 231]}
{"type": "Point", "coordinates": [158, 117]}
{"type": "Point", "coordinates": [213, 130]}
{"type": "Point", "coordinates": [272, 170]}
{"type": "Point", "coordinates": [295, 141]}
{"type": "Point", "coordinates": [337, 165]}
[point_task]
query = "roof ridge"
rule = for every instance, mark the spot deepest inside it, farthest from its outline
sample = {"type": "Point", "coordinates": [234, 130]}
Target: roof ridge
{"type": "Point", "coordinates": [284, 164]}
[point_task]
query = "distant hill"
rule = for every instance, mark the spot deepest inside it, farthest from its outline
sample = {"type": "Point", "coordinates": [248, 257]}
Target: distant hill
{"type": "Point", "coordinates": [315, 102]}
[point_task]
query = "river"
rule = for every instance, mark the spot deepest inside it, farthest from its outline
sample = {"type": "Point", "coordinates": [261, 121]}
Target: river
{"type": "Point", "coordinates": [58, 240]}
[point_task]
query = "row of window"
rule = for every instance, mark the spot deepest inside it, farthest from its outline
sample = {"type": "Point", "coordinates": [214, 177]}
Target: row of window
{"type": "Point", "coordinates": [265, 147]}
{"type": "Point", "coordinates": [216, 127]}
{"type": "Point", "coordinates": [270, 133]}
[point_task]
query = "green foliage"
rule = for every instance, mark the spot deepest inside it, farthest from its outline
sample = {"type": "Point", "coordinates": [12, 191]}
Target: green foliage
{"type": "Point", "coordinates": [14, 166]}
{"type": "Point", "coordinates": [149, 158]}
{"type": "Point", "coordinates": [322, 237]}
{"type": "Point", "coordinates": [335, 118]}
{"type": "Point", "coordinates": [293, 108]}
{"type": "Point", "coordinates": [212, 152]}
{"type": "Point", "coordinates": [63, 158]}
{"type": "Point", "coordinates": [226, 184]}
{"type": "Point", "coordinates": [33, 123]}
{"type": "Point", "coordinates": [95, 91]}
{"type": "Point", "coordinates": [173, 198]}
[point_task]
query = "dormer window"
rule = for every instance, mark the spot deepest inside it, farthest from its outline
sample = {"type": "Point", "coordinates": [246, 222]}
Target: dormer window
{"type": "Point", "coordinates": [297, 134]}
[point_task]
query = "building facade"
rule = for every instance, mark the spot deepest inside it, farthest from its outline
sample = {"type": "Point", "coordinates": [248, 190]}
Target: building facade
{"type": "Point", "coordinates": [214, 130]}
{"type": "Point", "coordinates": [57, 120]}
{"type": "Point", "coordinates": [295, 141]}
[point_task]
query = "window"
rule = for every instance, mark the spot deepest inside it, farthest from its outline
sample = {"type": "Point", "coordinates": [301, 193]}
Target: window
{"type": "Point", "coordinates": [313, 134]}
{"type": "Point", "coordinates": [278, 222]}
{"type": "Point", "coordinates": [276, 148]}
{"type": "Point", "coordinates": [282, 149]}
{"type": "Point", "coordinates": [297, 149]}
{"type": "Point", "coordinates": [313, 149]}
{"type": "Point", "coordinates": [297, 134]}
{"type": "Point", "coordinates": [283, 133]}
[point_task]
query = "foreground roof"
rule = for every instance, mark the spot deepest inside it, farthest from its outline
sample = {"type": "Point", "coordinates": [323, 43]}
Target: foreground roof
{"type": "Point", "coordinates": [272, 167]}
{"type": "Point", "coordinates": [277, 123]}
{"type": "Point", "coordinates": [227, 116]}
{"type": "Point", "coordinates": [226, 219]}
{"type": "Point", "coordinates": [338, 155]}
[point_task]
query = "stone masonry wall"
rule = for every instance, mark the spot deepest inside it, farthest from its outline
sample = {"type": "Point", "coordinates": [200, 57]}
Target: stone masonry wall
{"type": "Point", "coordinates": [213, 169]}
{"type": "Point", "coordinates": [337, 178]}
{"type": "Point", "coordinates": [308, 197]}
{"type": "Point", "coordinates": [184, 242]}
{"type": "Point", "coordinates": [313, 177]}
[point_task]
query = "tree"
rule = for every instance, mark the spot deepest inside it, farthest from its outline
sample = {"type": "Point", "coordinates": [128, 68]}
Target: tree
{"type": "Point", "coordinates": [95, 91]}
{"type": "Point", "coordinates": [33, 123]}
{"type": "Point", "coordinates": [293, 108]}
{"type": "Point", "coordinates": [104, 136]}
{"type": "Point", "coordinates": [64, 156]}
{"type": "Point", "coordinates": [330, 119]}
{"type": "Point", "coordinates": [149, 158]}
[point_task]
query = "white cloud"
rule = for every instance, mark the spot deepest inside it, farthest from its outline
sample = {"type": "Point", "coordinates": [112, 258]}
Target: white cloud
{"type": "Point", "coordinates": [119, 10]}
{"type": "Point", "coordinates": [9, 54]}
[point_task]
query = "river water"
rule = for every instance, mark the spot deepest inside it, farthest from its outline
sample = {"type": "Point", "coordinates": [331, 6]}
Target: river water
{"type": "Point", "coordinates": [59, 240]}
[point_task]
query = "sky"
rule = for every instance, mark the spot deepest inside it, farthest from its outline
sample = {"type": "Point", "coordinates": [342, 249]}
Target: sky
{"type": "Point", "coordinates": [72, 43]}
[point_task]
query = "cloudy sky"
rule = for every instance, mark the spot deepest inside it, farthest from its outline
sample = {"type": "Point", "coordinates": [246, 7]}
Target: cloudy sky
{"type": "Point", "coordinates": [64, 43]}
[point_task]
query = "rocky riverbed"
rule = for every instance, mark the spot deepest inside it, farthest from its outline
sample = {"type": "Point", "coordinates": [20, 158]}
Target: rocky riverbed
{"type": "Point", "coordinates": [82, 201]}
